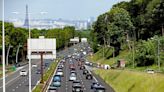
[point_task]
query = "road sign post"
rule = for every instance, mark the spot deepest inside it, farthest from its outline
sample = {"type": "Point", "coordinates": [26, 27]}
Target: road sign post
{"type": "Point", "coordinates": [41, 55]}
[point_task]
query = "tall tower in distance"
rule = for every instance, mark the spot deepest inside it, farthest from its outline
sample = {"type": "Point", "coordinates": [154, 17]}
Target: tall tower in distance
{"type": "Point", "coordinates": [26, 22]}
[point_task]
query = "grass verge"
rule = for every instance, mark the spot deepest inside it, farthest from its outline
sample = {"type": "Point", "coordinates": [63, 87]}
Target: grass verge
{"type": "Point", "coordinates": [130, 81]}
{"type": "Point", "coordinates": [46, 76]}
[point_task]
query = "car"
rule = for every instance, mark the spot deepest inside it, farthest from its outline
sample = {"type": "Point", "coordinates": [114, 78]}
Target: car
{"type": "Point", "coordinates": [73, 71]}
{"type": "Point", "coordinates": [69, 56]}
{"type": "Point", "coordinates": [72, 77]}
{"type": "Point", "coordinates": [94, 84]}
{"type": "Point", "coordinates": [38, 71]}
{"type": "Point", "coordinates": [56, 78]}
{"type": "Point", "coordinates": [87, 63]}
{"type": "Point", "coordinates": [61, 66]}
{"type": "Point", "coordinates": [23, 73]}
{"type": "Point", "coordinates": [60, 72]}
{"type": "Point", "coordinates": [52, 89]}
{"type": "Point", "coordinates": [76, 82]}
{"type": "Point", "coordinates": [84, 53]}
{"type": "Point", "coordinates": [72, 66]}
{"type": "Point", "coordinates": [56, 81]}
{"type": "Point", "coordinates": [99, 89]}
{"type": "Point", "coordinates": [89, 76]}
{"type": "Point", "coordinates": [150, 71]}
{"type": "Point", "coordinates": [85, 72]}
{"type": "Point", "coordinates": [79, 63]}
{"type": "Point", "coordinates": [82, 67]}
{"type": "Point", "coordinates": [46, 64]}
{"type": "Point", "coordinates": [77, 88]}
{"type": "Point", "coordinates": [34, 65]}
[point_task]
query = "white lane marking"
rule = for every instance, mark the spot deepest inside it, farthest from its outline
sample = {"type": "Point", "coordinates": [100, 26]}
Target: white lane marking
{"type": "Point", "coordinates": [17, 87]}
{"type": "Point", "coordinates": [95, 79]}
{"type": "Point", "coordinates": [20, 84]}
{"type": "Point", "coordinates": [92, 74]}
{"type": "Point", "coordinates": [10, 81]}
{"type": "Point", "coordinates": [36, 84]}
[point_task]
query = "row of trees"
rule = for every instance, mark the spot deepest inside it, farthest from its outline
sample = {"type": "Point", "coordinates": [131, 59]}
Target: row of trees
{"type": "Point", "coordinates": [15, 36]}
{"type": "Point", "coordinates": [127, 23]}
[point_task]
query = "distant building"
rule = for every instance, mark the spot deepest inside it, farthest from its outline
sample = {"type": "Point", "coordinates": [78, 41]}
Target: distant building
{"type": "Point", "coordinates": [51, 23]}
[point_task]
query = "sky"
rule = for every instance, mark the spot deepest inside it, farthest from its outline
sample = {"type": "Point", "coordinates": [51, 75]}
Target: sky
{"type": "Point", "coordinates": [55, 9]}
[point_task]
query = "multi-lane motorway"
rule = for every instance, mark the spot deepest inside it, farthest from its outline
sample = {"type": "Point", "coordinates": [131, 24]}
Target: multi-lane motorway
{"type": "Point", "coordinates": [66, 84]}
{"type": "Point", "coordinates": [17, 83]}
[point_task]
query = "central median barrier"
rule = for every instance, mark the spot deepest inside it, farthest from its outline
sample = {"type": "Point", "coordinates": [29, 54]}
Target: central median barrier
{"type": "Point", "coordinates": [41, 87]}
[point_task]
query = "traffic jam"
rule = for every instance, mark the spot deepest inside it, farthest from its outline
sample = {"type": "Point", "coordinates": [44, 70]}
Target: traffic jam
{"type": "Point", "coordinates": [73, 75]}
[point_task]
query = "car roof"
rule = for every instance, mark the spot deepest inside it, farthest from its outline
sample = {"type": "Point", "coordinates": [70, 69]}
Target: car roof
{"type": "Point", "coordinates": [100, 87]}
{"type": "Point", "coordinates": [77, 85]}
{"type": "Point", "coordinates": [76, 81]}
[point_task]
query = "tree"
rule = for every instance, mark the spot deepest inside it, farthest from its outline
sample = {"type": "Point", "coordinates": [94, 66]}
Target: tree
{"type": "Point", "coordinates": [119, 26]}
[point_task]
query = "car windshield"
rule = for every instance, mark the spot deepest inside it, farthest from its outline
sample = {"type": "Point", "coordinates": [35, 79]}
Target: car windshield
{"type": "Point", "coordinates": [73, 74]}
{"type": "Point", "coordinates": [57, 78]}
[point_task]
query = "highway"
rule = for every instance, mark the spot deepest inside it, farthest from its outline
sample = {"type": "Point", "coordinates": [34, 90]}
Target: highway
{"type": "Point", "coordinates": [17, 83]}
{"type": "Point", "coordinates": [66, 85]}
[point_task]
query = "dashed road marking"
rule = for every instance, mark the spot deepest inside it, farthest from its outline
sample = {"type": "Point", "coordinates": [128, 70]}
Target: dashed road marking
{"type": "Point", "coordinates": [17, 87]}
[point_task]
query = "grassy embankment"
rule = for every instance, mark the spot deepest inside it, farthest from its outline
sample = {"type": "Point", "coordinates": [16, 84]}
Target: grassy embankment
{"type": "Point", "coordinates": [130, 81]}
{"type": "Point", "coordinates": [47, 75]}
{"type": "Point", "coordinates": [127, 80]}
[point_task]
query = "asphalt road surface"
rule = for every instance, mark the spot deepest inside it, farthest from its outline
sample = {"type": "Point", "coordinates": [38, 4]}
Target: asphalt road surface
{"type": "Point", "coordinates": [66, 85]}
{"type": "Point", "coordinates": [17, 83]}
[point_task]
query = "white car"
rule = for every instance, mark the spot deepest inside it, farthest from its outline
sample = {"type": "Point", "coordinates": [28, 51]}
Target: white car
{"type": "Point", "coordinates": [34, 65]}
{"type": "Point", "coordinates": [84, 53]}
{"type": "Point", "coordinates": [60, 73]}
{"type": "Point", "coordinates": [23, 72]}
{"type": "Point", "coordinates": [150, 71]}
{"type": "Point", "coordinates": [72, 77]}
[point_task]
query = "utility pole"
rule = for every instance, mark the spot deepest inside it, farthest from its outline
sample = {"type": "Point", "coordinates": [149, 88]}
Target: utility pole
{"type": "Point", "coordinates": [41, 54]}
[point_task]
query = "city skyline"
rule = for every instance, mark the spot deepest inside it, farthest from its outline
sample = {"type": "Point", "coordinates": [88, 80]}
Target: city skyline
{"type": "Point", "coordinates": [56, 9]}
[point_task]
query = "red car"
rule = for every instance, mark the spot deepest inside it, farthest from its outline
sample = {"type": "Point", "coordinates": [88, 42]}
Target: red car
{"type": "Point", "coordinates": [72, 66]}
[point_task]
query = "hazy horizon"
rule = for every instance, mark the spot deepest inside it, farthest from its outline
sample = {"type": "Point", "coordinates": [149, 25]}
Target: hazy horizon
{"type": "Point", "coordinates": [55, 9]}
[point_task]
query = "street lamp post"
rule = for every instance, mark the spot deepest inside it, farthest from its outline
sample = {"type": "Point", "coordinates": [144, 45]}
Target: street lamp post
{"type": "Point", "coordinates": [7, 57]}
{"type": "Point", "coordinates": [3, 46]}
{"type": "Point", "coordinates": [17, 53]}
